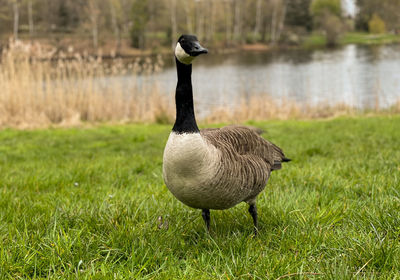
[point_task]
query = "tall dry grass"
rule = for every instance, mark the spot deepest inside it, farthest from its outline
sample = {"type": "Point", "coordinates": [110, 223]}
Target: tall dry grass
{"type": "Point", "coordinates": [263, 107]}
{"type": "Point", "coordinates": [41, 87]}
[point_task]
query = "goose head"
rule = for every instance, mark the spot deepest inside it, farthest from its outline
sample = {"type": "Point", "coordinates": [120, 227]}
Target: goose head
{"type": "Point", "coordinates": [188, 48]}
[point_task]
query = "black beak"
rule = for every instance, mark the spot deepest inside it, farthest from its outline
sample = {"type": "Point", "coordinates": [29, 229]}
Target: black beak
{"type": "Point", "coordinates": [197, 49]}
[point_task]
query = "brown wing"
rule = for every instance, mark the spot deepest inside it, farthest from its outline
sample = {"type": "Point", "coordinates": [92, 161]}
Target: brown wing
{"type": "Point", "coordinates": [245, 141]}
{"type": "Point", "coordinates": [255, 129]}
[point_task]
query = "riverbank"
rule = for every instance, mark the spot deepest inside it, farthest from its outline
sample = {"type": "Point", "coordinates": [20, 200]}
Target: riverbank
{"type": "Point", "coordinates": [91, 203]}
{"type": "Point", "coordinates": [356, 38]}
{"type": "Point", "coordinates": [72, 44]}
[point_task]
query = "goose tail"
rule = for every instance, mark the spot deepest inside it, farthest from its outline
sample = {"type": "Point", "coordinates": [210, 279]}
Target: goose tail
{"type": "Point", "coordinates": [278, 163]}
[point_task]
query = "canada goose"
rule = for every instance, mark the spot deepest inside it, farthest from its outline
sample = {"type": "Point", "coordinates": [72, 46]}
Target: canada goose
{"type": "Point", "coordinates": [213, 168]}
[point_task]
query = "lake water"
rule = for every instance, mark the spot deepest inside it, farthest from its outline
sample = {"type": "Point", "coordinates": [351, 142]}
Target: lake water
{"type": "Point", "coordinates": [359, 76]}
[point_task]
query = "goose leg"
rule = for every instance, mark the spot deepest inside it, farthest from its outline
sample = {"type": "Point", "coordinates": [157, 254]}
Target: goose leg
{"type": "Point", "coordinates": [206, 217]}
{"type": "Point", "coordinates": [253, 213]}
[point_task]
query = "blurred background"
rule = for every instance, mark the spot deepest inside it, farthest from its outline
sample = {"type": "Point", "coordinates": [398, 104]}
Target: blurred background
{"type": "Point", "coordinates": [72, 61]}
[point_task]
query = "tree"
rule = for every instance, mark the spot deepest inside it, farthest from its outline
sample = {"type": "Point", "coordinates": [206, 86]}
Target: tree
{"type": "Point", "coordinates": [233, 21]}
{"type": "Point", "coordinates": [200, 19]}
{"type": "Point", "coordinates": [116, 21]}
{"type": "Point", "coordinates": [173, 21]}
{"type": "Point", "coordinates": [5, 17]}
{"type": "Point", "coordinates": [93, 12]}
{"type": "Point", "coordinates": [278, 19]}
{"type": "Point", "coordinates": [258, 22]}
{"type": "Point", "coordinates": [376, 25]}
{"type": "Point", "coordinates": [298, 14]}
{"type": "Point", "coordinates": [228, 7]}
{"type": "Point", "coordinates": [211, 7]}
{"type": "Point", "coordinates": [320, 7]}
{"type": "Point", "coordinates": [237, 26]}
{"type": "Point", "coordinates": [30, 18]}
{"type": "Point", "coordinates": [63, 15]}
{"type": "Point", "coordinates": [387, 10]}
{"type": "Point", "coordinates": [328, 16]}
{"type": "Point", "coordinates": [15, 4]}
{"type": "Point", "coordinates": [188, 9]}
{"type": "Point", "coordinates": [140, 18]}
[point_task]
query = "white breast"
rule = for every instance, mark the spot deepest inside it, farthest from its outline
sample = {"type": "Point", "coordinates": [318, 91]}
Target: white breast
{"type": "Point", "coordinates": [189, 165]}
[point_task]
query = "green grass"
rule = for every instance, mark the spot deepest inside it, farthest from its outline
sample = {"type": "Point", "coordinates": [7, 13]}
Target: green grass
{"type": "Point", "coordinates": [84, 204]}
{"type": "Point", "coordinates": [368, 39]}
{"type": "Point", "coordinates": [314, 41]}
{"type": "Point", "coordinates": [359, 38]}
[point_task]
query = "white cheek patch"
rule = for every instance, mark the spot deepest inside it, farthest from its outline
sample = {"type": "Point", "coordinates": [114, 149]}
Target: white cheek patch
{"type": "Point", "coordinates": [182, 56]}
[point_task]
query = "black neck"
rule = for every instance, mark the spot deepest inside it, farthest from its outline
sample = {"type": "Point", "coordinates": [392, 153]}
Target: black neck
{"type": "Point", "coordinates": [185, 119]}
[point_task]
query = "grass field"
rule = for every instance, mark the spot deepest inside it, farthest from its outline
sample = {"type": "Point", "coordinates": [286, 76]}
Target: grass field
{"type": "Point", "coordinates": [358, 38]}
{"type": "Point", "coordinates": [85, 204]}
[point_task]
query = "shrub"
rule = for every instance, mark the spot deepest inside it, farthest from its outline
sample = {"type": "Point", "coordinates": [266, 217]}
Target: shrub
{"type": "Point", "coordinates": [140, 17]}
{"type": "Point", "coordinates": [320, 7]}
{"type": "Point", "coordinates": [376, 25]}
{"type": "Point", "coordinates": [327, 16]}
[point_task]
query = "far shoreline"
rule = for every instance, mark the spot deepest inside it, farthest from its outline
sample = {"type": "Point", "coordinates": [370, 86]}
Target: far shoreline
{"type": "Point", "coordinates": [69, 46]}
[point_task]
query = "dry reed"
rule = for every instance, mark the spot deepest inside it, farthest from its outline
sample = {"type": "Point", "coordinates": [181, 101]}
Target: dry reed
{"type": "Point", "coordinates": [262, 107]}
{"type": "Point", "coordinates": [42, 87]}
